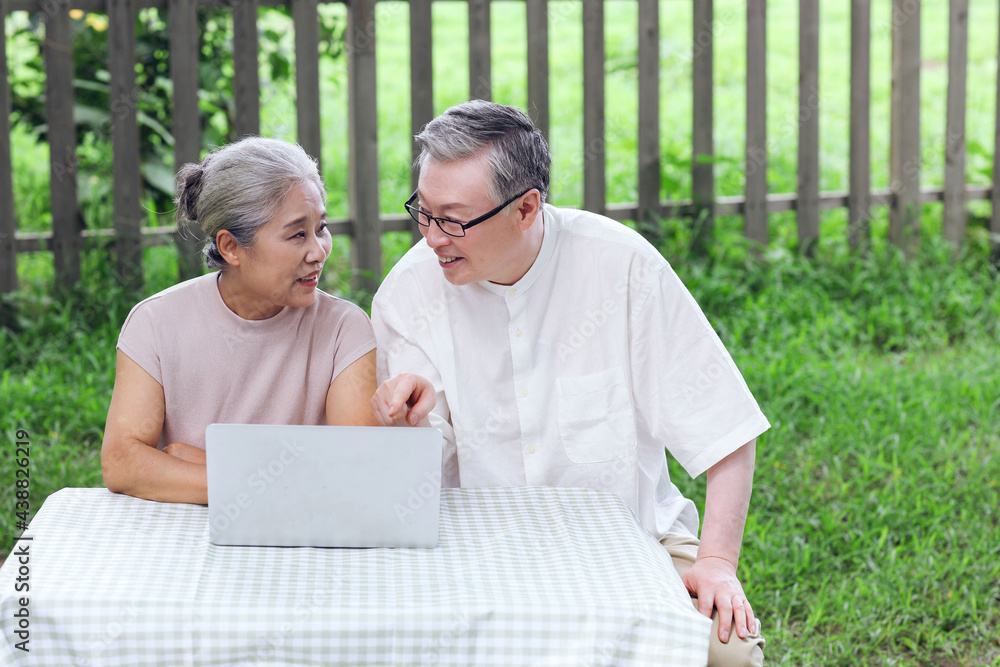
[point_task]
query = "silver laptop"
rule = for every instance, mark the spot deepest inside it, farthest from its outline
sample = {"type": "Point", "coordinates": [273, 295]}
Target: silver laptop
{"type": "Point", "coordinates": [323, 486]}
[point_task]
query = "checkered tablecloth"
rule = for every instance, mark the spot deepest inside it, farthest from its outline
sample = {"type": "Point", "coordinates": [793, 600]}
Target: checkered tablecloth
{"type": "Point", "coordinates": [522, 576]}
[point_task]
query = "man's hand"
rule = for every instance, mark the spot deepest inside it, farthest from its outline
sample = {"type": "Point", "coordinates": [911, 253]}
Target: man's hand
{"type": "Point", "coordinates": [713, 580]}
{"type": "Point", "coordinates": [184, 452]}
{"type": "Point", "coordinates": [404, 400]}
{"type": "Point", "coordinates": [713, 576]}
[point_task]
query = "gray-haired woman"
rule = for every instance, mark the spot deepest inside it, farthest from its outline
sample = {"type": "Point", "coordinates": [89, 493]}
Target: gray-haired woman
{"type": "Point", "coordinates": [255, 342]}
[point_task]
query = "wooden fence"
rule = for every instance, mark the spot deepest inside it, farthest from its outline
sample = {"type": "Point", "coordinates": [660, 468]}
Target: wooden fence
{"type": "Point", "coordinates": [365, 225]}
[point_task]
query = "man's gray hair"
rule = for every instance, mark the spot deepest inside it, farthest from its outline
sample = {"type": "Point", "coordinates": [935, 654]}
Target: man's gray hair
{"type": "Point", "coordinates": [516, 152]}
{"type": "Point", "coordinates": [240, 187]}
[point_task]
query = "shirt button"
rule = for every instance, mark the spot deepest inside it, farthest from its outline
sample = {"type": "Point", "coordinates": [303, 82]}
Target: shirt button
{"type": "Point", "coordinates": [531, 449]}
{"type": "Point", "coordinates": [524, 392]}
{"type": "Point", "coordinates": [512, 292]}
{"type": "Point", "coordinates": [518, 333]}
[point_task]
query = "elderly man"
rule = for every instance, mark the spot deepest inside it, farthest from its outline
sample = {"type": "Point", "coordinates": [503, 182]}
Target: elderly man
{"type": "Point", "coordinates": [561, 349]}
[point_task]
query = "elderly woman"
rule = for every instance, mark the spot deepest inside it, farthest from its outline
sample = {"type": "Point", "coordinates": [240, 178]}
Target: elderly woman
{"type": "Point", "coordinates": [254, 342]}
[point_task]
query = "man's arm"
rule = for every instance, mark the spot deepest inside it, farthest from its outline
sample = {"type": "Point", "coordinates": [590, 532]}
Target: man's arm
{"type": "Point", "coordinates": [405, 367]}
{"type": "Point", "coordinates": [712, 578]}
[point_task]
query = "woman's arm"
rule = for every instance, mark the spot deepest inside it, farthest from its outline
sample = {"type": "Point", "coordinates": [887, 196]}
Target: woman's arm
{"type": "Point", "coordinates": [130, 462]}
{"type": "Point", "coordinates": [348, 401]}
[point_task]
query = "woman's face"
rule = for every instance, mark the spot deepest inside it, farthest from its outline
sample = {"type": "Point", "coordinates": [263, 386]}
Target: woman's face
{"type": "Point", "coordinates": [283, 265]}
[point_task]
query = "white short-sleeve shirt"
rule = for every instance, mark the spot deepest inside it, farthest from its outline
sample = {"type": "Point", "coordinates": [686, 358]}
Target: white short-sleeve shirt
{"type": "Point", "coordinates": [578, 375]}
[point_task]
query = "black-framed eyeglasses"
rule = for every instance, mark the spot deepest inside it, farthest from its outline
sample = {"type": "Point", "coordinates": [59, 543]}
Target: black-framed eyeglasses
{"type": "Point", "coordinates": [453, 227]}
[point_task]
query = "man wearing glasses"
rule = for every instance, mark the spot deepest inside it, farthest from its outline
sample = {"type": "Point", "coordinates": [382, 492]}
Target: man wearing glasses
{"type": "Point", "coordinates": [563, 351]}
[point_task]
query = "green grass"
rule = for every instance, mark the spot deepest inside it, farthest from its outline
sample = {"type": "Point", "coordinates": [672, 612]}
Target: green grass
{"type": "Point", "coordinates": [873, 534]}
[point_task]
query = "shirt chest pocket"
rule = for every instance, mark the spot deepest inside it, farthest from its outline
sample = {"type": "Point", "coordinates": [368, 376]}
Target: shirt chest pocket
{"type": "Point", "coordinates": [595, 416]}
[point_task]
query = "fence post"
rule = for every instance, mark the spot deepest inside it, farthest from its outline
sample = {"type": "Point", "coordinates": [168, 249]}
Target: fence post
{"type": "Point", "coordinates": [808, 150]}
{"type": "Point", "coordinates": [125, 142]}
{"type": "Point", "coordinates": [859, 197]}
{"type": "Point", "coordinates": [649, 120]}
{"type": "Point", "coordinates": [594, 179]}
{"type": "Point", "coordinates": [955, 219]}
{"type": "Point", "coordinates": [66, 223]}
{"type": "Point", "coordinates": [8, 226]}
{"type": "Point", "coordinates": [904, 156]}
{"type": "Point", "coordinates": [246, 84]}
{"type": "Point", "coordinates": [305, 14]}
{"type": "Point", "coordinates": [702, 120]}
{"type": "Point", "coordinates": [995, 217]}
{"type": "Point", "coordinates": [755, 210]}
{"type": "Point", "coordinates": [538, 64]}
{"type": "Point", "coordinates": [363, 131]}
{"type": "Point", "coordinates": [480, 77]}
{"type": "Point", "coordinates": [186, 126]}
{"type": "Point", "coordinates": [421, 81]}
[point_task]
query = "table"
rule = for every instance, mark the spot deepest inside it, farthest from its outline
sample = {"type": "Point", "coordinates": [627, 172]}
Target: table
{"type": "Point", "coordinates": [522, 576]}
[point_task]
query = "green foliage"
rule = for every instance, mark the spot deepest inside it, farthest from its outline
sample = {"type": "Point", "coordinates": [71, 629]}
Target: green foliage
{"type": "Point", "coordinates": [841, 301]}
{"type": "Point", "coordinates": [95, 111]}
{"type": "Point", "coordinates": [57, 352]}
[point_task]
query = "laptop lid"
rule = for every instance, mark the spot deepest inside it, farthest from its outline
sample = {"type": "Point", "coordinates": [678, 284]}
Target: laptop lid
{"type": "Point", "coordinates": [323, 486]}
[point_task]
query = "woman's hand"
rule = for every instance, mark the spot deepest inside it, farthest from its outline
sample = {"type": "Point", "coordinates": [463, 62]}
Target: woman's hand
{"type": "Point", "coordinates": [404, 400]}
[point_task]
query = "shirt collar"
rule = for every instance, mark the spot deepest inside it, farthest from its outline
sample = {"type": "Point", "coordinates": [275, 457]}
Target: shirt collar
{"type": "Point", "coordinates": [541, 261]}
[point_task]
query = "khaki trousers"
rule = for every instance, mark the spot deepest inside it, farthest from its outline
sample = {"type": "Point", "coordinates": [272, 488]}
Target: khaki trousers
{"type": "Point", "coordinates": [750, 651]}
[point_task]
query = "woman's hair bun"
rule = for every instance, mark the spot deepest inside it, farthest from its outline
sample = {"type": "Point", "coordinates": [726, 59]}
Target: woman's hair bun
{"type": "Point", "coordinates": [189, 182]}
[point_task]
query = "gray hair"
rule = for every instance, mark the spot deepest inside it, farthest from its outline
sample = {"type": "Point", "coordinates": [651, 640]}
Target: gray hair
{"type": "Point", "coordinates": [240, 187]}
{"type": "Point", "coordinates": [515, 150]}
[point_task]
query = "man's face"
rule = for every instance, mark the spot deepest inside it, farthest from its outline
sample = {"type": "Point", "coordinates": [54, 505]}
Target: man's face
{"type": "Point", "coordinates": [492, 250]}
